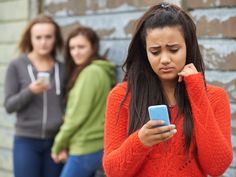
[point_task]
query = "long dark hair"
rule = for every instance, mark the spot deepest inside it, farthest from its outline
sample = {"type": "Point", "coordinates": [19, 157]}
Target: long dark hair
{"type": "Point", "coordinates": [72, 69]}
{"type": "Point", "coordinates": [143, 83]}
{"type": "Point", "coordinates": [25, 43]}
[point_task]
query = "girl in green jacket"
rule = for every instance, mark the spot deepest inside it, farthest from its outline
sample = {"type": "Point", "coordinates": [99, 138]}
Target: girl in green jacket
{"type": "Point", "coordinates": [90, 79]}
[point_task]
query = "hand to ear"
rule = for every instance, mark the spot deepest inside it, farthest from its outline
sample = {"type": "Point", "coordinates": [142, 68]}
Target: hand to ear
{"type": "Point", "coordinates": [188, 69]}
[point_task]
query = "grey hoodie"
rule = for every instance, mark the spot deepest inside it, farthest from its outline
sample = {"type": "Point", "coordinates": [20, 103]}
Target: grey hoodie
{"type": "Point", "coordinates": [38, 116]}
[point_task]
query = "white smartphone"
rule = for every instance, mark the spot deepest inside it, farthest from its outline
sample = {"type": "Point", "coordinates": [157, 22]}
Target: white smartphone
{"type": "Point", "coordinates": [44, 77]}
{"type": "Point", "coordinates": [159, 112]}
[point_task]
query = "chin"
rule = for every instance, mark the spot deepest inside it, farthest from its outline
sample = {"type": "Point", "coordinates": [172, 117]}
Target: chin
{"type": "Point", "coordinates": [44, 53]}
{"type": "Point", "coordinates": [168, 78]}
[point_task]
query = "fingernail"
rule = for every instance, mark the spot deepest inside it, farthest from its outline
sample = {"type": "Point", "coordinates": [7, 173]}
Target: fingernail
{"type": "Point", "coordinates": [172, 126]}
{"type": "Point", "coordinates": [173, 131]}
{"type": "Point", "coordinates": [162, 122]}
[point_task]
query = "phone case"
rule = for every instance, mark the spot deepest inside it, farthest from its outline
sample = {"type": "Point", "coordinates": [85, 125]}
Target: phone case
{"type": "Point", "coordinates": [45, 77]}
{"type": "Point", "coordinates": [159, 112]}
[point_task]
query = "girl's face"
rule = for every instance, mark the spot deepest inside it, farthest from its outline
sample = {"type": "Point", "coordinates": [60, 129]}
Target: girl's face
{"type": "Point", "coordinates": [166, 52]}
{"type": "Point", "coordinates": [80, 49]}
{"type": "Point", "coordinates": [43, 38]}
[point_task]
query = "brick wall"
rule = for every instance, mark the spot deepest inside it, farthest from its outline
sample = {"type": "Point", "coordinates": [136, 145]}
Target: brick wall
{"type": "Point", "coordinates": [12, 21]}
{"type": "Point", "coordinates": [216, 24]}
{"type": "Point", "coordinates": [114, 21]}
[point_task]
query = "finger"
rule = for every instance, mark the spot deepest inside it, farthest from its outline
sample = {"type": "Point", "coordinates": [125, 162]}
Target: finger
{"type": "Point", "coordinates": [180, 79]}
{"type": "Point", "coordinates": [168, 138]}
{"type": "Point", "coordinates": [182, 73]}
{"type": "Point", "coordinates": [38, 82]}
{"type": "Point", "coordinates": [153, 123]}
{"type": "Point", "coordinates": [54, 157]}
{"type": "Point", "coordinates": [191, 65]}
{"type": "Point", "coordinates": [163, 129]}
{"type": "Point", "coordinates": [164, 136]}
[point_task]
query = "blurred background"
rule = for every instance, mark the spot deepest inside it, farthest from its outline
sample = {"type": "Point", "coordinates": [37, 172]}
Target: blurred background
{"type": "Point", "coordinates": [114, 20]}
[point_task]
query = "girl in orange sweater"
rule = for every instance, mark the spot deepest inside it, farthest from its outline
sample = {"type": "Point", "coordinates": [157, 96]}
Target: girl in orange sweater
{"type": "Point", "coordinates": [164, 66]}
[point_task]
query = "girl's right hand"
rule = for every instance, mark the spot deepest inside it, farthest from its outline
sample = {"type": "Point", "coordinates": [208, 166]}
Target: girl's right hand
{"type": "Point", "coordinates": [38, 87]}
{"type": "Point", "coordinates": [150, 135]}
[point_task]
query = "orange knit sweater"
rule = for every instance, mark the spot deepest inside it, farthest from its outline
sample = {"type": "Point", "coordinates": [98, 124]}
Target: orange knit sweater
{"type": "Point", "coordinates": [126, 156]}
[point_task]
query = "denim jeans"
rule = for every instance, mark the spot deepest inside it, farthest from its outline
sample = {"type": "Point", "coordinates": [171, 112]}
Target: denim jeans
{"type": "Point", "coordinates": [82, 165]}
{"type": "Point", "coordinates": [32, 158]}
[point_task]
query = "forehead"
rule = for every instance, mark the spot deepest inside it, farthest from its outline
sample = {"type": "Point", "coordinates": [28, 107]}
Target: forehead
{"type": "Point", "coordinates": [42, 28]}
{"type": "Point", "coordinates": [79, 39]}
{"type": "Point", "coordinates": [165, 35]}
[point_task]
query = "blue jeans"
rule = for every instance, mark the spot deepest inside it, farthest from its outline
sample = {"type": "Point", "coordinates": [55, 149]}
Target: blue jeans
{"type": "Point", "coordinates": [32, 157]}
{"type": "Point", "coordinates": [82, 165]}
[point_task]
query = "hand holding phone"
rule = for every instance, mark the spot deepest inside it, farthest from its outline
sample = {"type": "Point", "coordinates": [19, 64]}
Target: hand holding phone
{"type": "Point", "coordinates": [153, 132]}
{"type": "Point", "coordinates": [159, 112]}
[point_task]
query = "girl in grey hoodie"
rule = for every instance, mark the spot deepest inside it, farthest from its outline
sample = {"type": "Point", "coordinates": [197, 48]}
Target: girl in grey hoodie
{"type": "Point", "coordinates": [34, 88]}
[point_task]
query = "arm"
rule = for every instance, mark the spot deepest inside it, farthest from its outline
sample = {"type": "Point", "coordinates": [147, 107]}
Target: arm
{"type": "Point", "coordinates": [211, 117]}
{"type": "Point", "coordinates": [15, 97]}
{"type": "Point", "coordinates": [78, 108]}
{"type": "Point", "coordinates": [123, 156]}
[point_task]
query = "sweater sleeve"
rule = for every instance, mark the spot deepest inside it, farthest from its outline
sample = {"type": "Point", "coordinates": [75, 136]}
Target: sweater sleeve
{"type": "Point", "coordinates": [16, 98]}
{"type": "Point", "coordinates": [123, 156]}
{"type": "Point", "coordinates": [211, 117]}
{"type": "Point", "coordinates": [78, 108]}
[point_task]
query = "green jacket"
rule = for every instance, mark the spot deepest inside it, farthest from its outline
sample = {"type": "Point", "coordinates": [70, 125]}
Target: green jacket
{"type": "Point", "coordinates": [83, 129]}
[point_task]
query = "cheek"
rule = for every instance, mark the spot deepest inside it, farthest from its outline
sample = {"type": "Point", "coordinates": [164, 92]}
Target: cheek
{"type": "Point", "coordinates": [52, 41]}
{"type": "Point", "coordinates": [72, 53]}
{"type": "Point", "coordinates": [34, 42]}
{"type": "Point", "coordinates": [88, 52]}
{"type": "Point", "coordinates": [181, 61]}
{"type": "Point", "coordinates": [154, 62]}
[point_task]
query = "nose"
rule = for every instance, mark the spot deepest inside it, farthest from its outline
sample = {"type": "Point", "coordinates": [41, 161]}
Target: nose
{"type": "Point", "coordinates": [165, 59]}
{"type": "Point", "coordinates": [43, 41]}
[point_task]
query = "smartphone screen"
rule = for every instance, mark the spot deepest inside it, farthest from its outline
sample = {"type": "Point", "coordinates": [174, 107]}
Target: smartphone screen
{"type": "Point", "coordinates": [159, 112]}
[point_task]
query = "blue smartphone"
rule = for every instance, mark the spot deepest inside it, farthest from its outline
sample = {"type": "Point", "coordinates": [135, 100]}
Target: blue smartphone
{"type": "Point", "coordinates": [159, 112]}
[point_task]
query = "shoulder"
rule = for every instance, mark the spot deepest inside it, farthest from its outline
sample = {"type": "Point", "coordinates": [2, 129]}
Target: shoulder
{"type": "Point", "coordinates": [118, 93]}
{"type": "Point", "coordinates": [119, 89]}
{"type": "Point", "coordinates": [97, 66]}
{"type": "Point", "coordinates": [93, 70]}
{"type": "Point", "coordinates": [18, 62]}
{"type": "Point", "coordinates": [216, 93]}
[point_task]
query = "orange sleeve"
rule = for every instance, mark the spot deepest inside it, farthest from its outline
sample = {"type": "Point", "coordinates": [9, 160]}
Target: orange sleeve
{"type": "Point", "coordinates": [123, 154]}
{"type": "Point", "coordinates": [211, 117]}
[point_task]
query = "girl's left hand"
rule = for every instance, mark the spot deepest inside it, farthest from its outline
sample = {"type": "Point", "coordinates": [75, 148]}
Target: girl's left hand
{"type": "Point", "coordinates": [61, 157]}
{"type": "Point", "coordinates": [55, 158]}
{"type": "Point", "coordinates": [188, 69]}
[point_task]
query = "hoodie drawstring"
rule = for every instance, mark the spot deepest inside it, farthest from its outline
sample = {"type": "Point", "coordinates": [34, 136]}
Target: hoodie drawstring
{"type": "Point", "coordinates": [31, 74]}
{"type": "Point", "coordinates": [57, 79]}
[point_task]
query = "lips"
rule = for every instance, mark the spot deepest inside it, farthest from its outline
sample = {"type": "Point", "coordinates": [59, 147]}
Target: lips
{"type": "Point", "coordinates": [166, 69]}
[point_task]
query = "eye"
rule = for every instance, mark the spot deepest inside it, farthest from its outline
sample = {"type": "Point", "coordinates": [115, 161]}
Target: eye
{"type": "Point", "coordinates": [155, 52]}
{"type": "Point", "coordinates": [81, 46]}
{"type": "Point", "coordinates": [38, 37]}
{"type": "Point", "coordinates": [49, 36]}
{"type": "Point", "coordinates": [174, 50]}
